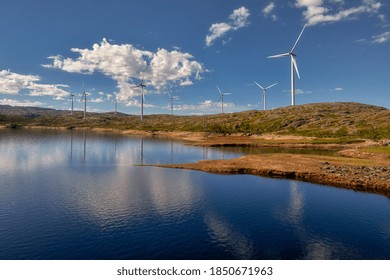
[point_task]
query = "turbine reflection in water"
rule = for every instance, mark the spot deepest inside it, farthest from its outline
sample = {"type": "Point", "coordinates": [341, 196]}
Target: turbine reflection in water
{"type": "Point", "coordinates": [75, 195]}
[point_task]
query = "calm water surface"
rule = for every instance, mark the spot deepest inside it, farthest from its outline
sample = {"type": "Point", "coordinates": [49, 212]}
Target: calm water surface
{"type": "Point", "coordinates": [75, 195]}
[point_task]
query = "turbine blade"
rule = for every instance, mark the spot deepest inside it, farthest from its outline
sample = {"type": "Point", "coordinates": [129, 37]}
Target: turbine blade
{"type": "Point", "coordinates": [258, 85]}
{"type": "Point", "coordinates": [271, 86]}
{"type": "Point", "coordinates": [219, 90]}
{"type": "Point", "coordinates": [226, 93]}
{"type": "Point", "coordinates": [294, 62]}
{"type": "Point", "coordinates": [299, 37]}
{"type": "Point", "coordinates": [279, 55]}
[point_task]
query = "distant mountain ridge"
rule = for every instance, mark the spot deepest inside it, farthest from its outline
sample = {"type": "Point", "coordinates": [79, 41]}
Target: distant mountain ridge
{"type": "Point", "coordinates": [28, 111]}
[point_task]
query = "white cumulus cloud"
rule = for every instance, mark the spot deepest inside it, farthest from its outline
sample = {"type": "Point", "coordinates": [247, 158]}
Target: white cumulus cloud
{"type": "Point", "coordinates": [238, 19]}
{"type": "Point", "coordinates": [128, 65]}
{"type": "Point", "coordinates": [47, 90]}
{"type": "Point", "coordinates": [12, 83]}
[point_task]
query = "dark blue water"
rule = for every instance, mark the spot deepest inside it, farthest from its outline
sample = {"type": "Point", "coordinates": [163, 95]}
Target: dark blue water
{"type": "Point", "coordinates": [75, 195]}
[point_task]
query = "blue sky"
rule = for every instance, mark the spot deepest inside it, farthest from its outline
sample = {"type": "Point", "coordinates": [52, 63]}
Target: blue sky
{"type": "Point", "coordinates": [50, 48]}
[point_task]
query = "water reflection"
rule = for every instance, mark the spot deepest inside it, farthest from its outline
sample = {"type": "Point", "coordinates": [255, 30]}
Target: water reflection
{"type": "Point", "coordinates": [295, 211]}
{"type": "Point", "coordinates": [71, 194]}
{"type": "Point", "coordinates": [313, 245]}
{"type": "Point", "coordinates": [239, 245]}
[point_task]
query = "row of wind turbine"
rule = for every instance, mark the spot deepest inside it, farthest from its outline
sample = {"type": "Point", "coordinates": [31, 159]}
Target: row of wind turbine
{"type": "Point", "coordinates": [142, 85]}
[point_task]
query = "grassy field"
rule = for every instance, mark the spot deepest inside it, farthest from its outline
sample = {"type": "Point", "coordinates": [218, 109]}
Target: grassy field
{"type": "Point", "coordinates": [377, 150]}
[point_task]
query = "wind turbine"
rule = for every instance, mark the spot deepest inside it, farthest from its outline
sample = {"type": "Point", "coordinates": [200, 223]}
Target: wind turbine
{"type": "Point", "coordinates": [142, 85]}
{"type": "Point", "coordinates": [72, 100]}
{"type": "Point", "coordinates": [84, 96]}
{"type": "Point", "coordinates": [171, 98]}
{"type": "Point", "coordinates": [293, 66]}
{"type": "Point", "coordinates": [265, 93]}
{"type": "Point", "coordinates": [116, 104]}
{"type": "Point", "coordinates": [221, 95]}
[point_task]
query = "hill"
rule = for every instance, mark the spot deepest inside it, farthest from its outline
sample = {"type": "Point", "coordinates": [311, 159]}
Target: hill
{"type": "Point", "coordinates": [27, 111]}
{"type": "Point", "coordinates": [341, 119]}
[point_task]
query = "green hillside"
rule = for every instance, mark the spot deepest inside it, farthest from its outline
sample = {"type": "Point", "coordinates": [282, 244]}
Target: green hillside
{"type": "Point", "coordinates": [341, 120]}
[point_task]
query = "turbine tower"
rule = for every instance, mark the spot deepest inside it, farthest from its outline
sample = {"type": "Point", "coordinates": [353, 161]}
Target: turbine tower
{"type": "Point", "coordinates": [265, 93]}
{"type": "Point", "coordinates": [84, 97]}
{"type": "Point", "coordinates": [142, 85]}
{"type": "Point", "coordinates": [171, 98]}
{"type": "Point", "coordinates": [72, 100]}
{"type": "Point", "coordinates": [221, 95]}
{"type": "Point", "coordinates": [294, 65]}
{"type": "Point", "coordinates": [116, 104]}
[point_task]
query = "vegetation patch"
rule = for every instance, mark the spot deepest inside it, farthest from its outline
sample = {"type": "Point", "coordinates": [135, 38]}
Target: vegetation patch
{"type": "Point", "coordinates": [377, 150]}
{"type": "Point", "coordinates": [342, 122]}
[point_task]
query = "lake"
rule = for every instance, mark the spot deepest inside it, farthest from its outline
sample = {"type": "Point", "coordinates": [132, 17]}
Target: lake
{"type": "Point", "coordinates": [79, 195]}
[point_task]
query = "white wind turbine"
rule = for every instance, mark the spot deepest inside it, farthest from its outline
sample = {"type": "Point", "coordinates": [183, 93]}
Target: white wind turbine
{"type": "Point", "coordinates": [84, 97]}
{"type": "Point", "coordinates": [265, 93]}
{"type": "Point", "coordinates": [171, 98]}
{"type": "Point", "coordinates": [221, 95]}
{"type": "Point", "coordinates": [72, 100]}
{"type": "Point", "coordinates": [116, 104]}
{"type": "Point", "coordinates": [293, 66]}
{"type": "Point", "coordinates": [142, 85]}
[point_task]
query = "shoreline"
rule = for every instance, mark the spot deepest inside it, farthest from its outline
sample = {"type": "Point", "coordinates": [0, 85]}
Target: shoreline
{"type": "Point", "coordinates": [324, 170]}
{"type": "Point", "coordinates": [351, 168]}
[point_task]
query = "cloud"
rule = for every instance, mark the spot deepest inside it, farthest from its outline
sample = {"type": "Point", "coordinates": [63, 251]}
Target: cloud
{"type": "Point", "coordinates": [128, 65]}
{"type": "Point", "coordinates": [22, 103]}
{"type": "Point", "coordinates": [174, 68]}
{"type": "Point", "coordinates": [382, 38]}
{"type": "Point", "coordinates": [204, 107]}
{"type": "Point", "coordinates": [238, 19]}
{"type": "Point", "coordinates": [339, 89]}
{"type": "Point", "coordinates": [215, 31]}
{"type": "Point", "coordinates": [47, 90]}
{"type": "Point", "coordinates": [316, 12]}
{"type": "Point", "coordinates": [13, 83]}
{"type": "Point", "coordinates": [97, 100]}
{"type": "Point", "coordinates": [267, 11]}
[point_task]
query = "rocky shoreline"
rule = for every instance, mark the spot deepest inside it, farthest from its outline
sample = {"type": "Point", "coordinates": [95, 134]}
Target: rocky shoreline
{"type": "Point", "coordinates": [350, 168]}
{"type": "Point", "coordinates": [375, 179]}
